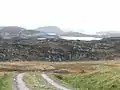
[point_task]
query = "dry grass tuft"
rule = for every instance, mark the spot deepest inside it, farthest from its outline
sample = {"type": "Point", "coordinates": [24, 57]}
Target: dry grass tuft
{"type": "Point", "coordinates": [71, 67]}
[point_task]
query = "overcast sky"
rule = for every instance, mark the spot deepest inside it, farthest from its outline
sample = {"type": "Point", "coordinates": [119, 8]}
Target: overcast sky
{"type": "Point", "coordinates": [87, 16]}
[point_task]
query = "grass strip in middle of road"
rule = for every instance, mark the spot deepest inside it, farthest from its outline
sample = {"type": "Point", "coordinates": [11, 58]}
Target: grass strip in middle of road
{"type": "Point", "coordinates": [35, 82]}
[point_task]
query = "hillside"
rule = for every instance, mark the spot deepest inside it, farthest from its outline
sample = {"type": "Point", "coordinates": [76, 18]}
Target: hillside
{"type": "Point", "coordinates": [50, 29]}
{"type": "Point", "coordinates": [11, 29]}
{"type": "Point", "coordinates": [11, 32]}
{"type": "Point", "coordinates": [108, 34]}
{"type": "Point", "coordinates": [76, 34]}
{"type": "Point", "coordinates": [32, 34]}
{"type": "Point", "coordinates": [14, 31]}
{"type": "Point", "coordinates": [60, 49]}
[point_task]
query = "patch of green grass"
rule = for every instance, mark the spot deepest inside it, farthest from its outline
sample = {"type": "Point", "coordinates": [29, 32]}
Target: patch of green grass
{"type": "Point", "coordinates": [103, 80]}
{"type": "Point", "coordinates": [5, 82]}
{"type": "Point", "coordinates": [35, 82]}
{"type": "Point", "coordinates": [59, 79]}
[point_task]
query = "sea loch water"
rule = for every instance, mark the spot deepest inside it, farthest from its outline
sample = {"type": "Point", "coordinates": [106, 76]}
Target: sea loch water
{"type": "Point", "coordinates": [80, 38]}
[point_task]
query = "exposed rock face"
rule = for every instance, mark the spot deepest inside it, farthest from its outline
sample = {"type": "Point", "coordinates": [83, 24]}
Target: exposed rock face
{"type": "Point", "coordinates": [59, 50]}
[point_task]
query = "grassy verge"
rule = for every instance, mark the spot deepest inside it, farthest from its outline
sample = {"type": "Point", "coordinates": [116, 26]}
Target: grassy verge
{"type": "Point", "coordinates": [59, 79]}
{"type": "Point", "coordinates": [5, 81]}
{"type": "Point", "coordinates": [35, 82]}
{"type": "Point", "coordinates": [101, 80]}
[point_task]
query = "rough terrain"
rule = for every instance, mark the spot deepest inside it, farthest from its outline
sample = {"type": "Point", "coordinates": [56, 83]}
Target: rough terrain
{"type": "Point", "coordinates": [59, 50]}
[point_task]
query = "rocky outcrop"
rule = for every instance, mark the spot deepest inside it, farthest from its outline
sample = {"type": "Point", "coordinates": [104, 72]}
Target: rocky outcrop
{"type": "Point", "coordinates": [59, 50]}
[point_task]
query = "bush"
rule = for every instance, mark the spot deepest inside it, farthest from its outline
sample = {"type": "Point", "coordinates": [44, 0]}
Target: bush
{"type": "Point", "coordinates": [59, 76]}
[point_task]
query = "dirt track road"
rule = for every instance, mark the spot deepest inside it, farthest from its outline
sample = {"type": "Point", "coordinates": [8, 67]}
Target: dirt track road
{"type": "Point", "coordinates": [18, 83]}
{"type": "Point", "coordinates": [52, 82]}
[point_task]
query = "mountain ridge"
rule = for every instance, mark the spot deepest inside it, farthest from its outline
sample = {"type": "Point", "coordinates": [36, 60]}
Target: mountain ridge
{"type": "Point", "coordinates": [15, 31]}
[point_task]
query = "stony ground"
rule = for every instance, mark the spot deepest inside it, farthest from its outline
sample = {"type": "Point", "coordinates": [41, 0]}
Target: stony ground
{"type": "Point", "coordinates": [59, 50]}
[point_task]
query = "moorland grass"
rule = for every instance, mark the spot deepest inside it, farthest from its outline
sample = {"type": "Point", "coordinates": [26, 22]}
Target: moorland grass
{"type": "Point", "coordinates": [6, 81]}
{"type": "Point", "coordinates": [84, 75]}
{"type": "Point", "coordinates": [102, 80]}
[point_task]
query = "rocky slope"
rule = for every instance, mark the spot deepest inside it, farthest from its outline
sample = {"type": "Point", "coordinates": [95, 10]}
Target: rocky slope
{"type": "Point", "coordinates": [58, 50]}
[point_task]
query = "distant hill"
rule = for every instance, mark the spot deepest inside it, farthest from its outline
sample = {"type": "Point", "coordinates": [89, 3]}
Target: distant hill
{"type": "Point", "coordinates": [10, 32]}
{"type": "Point", "coordinates": [108, 34]}
{"type": "Point", "coordinates": [32, 34]}
{"type": "Point", "coordinates": [77, 34]}
{"type": "Point", "coordinates": [58, 31]}
{"type": "Point", "coordinates": [50, 29]}
{"type": "Point", "coordinates": [74, 34]}
{"type": "Point", "coordinates": [14, 31]}
{"type": "Point", "coordinates": [11, 29]}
